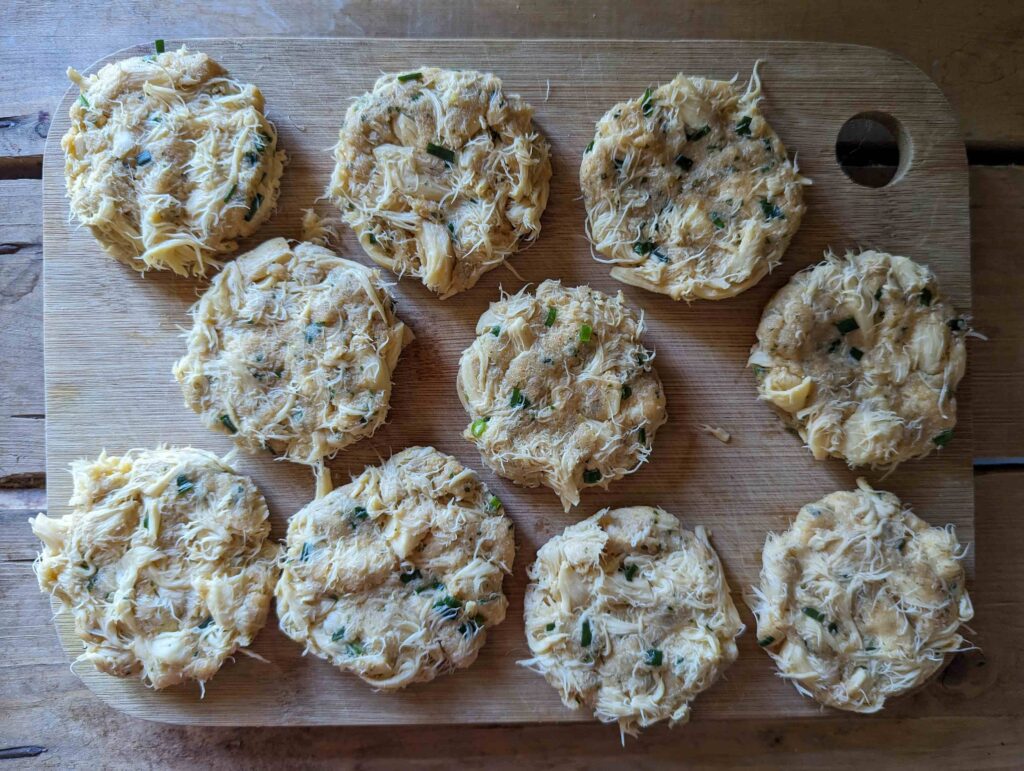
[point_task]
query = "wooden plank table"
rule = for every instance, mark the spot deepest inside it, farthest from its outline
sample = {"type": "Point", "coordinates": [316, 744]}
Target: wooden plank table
{"type": "Point", "coordinates": [974, 54]}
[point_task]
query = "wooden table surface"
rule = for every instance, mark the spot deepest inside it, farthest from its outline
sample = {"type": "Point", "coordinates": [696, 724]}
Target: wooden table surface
{"type": "Point", "coordinates": [975, 54]}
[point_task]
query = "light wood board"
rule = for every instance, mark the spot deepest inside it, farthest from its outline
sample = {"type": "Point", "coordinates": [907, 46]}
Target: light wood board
{"type": "Point", "coordinates": [111, 338]}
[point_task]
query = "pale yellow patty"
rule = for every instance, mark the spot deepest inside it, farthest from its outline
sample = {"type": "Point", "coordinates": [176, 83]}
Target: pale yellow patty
{"type": "Point", "coordinates": [441, 174]}
{"type": "Point", "coordinates": [688, 190]}
{"type": "Point", "coordinates": [560, 389]}
{"type": "Point", "coordinates": [164, 563]}
{"type": "Point", "coordinates": [862, 356]}
{"type": "Point", "coordinates": [860, 600]}
{"type": "Point", "coordinates": [169, 160]}
{"type": "Point", "coordinates": [292, 350]}
{"type": "Point", "coordinates": [397, 576]}
{"type": "Point", "coordinates": [629, 615]}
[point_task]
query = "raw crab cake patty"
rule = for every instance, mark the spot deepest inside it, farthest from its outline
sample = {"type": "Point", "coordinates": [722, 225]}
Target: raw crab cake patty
{"type": "Point", "coordinates": [169, 160]}
{"type": "Point", "coordinates": [862, 356]}
{"type": "Point", "coordinates": [860, 600]}
{"type": "Point", "coordinates": [292, 349]}
{"type": "Point", "coordinates": [397, 576]}
{"type": "Point", "coordinates": [441, 174]}
{"type": "Point", "coordinates": [164, 563]}
{"type": "Point", "coordinates": [630, 616]}
{"type": "Point", "coordinates": [688, 190]}
{"type": "Point", "coordinates": [560, 390]}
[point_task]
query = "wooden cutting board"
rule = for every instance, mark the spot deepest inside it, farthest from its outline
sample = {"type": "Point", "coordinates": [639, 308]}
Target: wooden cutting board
{"type": "Point", "coordinates": [111, 337]}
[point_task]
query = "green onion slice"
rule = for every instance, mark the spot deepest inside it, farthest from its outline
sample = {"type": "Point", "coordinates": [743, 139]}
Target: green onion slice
{"type": "Point", "coordinates": [410, 76]}
{"type": "Point", "coordinates": [586, 332]}
{"type": "Point", "coordinates": [478, 426]}
{"type": "Point", "coordinates": [438, 151]}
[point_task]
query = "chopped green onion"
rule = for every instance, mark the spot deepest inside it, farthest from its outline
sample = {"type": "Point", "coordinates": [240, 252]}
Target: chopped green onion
{"type": "Point", "coordinates": [590, 476]}
{"type": "Point", "coordinates": [355, 648]}
{"type": "Point", "coordinates": [653, 657]}
{"type": "Point", "coordinates": [443, 153]}
{"type": "Point", "coordinates": [307, 549]}
{"type": "Point", "coordinates": [84, 101]}
{"type": "Point", "coordinates": [550, 627]}
{"type": "Point", "coordinates": [942, 439]}
{"type": "Point", "coordinates": [448, 607]}
{"type": "Point", "coordinates": [228, 424]}
{"type": "Point", "coordinates": [717, 221]}
{"type": "Point", "coordinates": [495, 330]}
{"type": "Point", "coordinates": [586, 331]}
{"type": "Point", "coordinates": [313, 331]}
{"type": "Point", "coordinates": [586, 636]}
{"type": "Point", "coordinates": [759, 370]}
{"type": "Point", "coordinates": [371, 238]}
{"type": "Point", "coordinates": [684, 163]}
{"type": "Point", "coordinates": [693, 136]}
{"type": "Point", "coordinates": [159, 45]}
{"type": "Point", "coordinates": [626, 392]}
{"type": "Point", "coordinates": [410, 76]}
{"type": "Point", "coordinates": [644, 247]}
{"type": "Point", "coordinates": [646, 103]}
{"type": "Point", "coordinates": [338, 635]}
{"type": "Point", "coordinates": [471, 626]}
{"type": "Point", "coordinates": [926, 296]}
{"type": "Point", "coordinates": [254, 207]}
{"type": "Point", "coordinates": [184, 484]}
{"type": "Point", "coordinates": [743, 127]}
{"type": "Point", "coordinates": [143, 158]}
{"type": "Point", "coordinates": [550, 319]}
{"type": "Point", "coordinates": [590, 146]}
{"type": "Point", "coordinates": [415, 95]}
{"type": "Point", "coordinates": [206, 622]}
{"type": "Point", "coordinates": [359, 513]}
{"type": "Point", "coordinates": [847, 325]}
{"type": "Point", "coordinates": [231, 192]}
{"type": "Point", "coordinates": [630, 571]}
{"type": "Point", "coordinates": [764, 641]}
{"type": "Point", "coordinates": [857, 354]}
{"type": "Point", "coordinates": [771, 211]}
{"type": "Point", "coordinates": [493, 503]}
{"type": "Point", "coordinates": [478, 426]}
{"type": "Point", "coordinates": [518, 399]}
{"type": "Point", "coordinates": [817, 615]}
{"type": "Point", "coordinates": [406, 578]}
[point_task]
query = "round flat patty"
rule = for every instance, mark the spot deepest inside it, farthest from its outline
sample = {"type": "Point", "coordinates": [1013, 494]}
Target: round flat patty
{"type": "Point", "coordinates": [397, 576]}
{"type": "Point", "coordinates": [689, 191]}
{"type": "Point", "coordinates": [560, 389]}
{"type": "Point", "coordinates": [292, 349]}
{"type": "Point", "coordinates": [441, 174]}
{"type": "Point", "coordinates": [164, 563]}
{"type": "Point", "coordinates": [629, 615]}
{"type": "Point", "coordinates": [860, 600]}
{"type": "Point", "coordinates": [169, 161]}
{"type": "Point", "coordinates": [861, 354]}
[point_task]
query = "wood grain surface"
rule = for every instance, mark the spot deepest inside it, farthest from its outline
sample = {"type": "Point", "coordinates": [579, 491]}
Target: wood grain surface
{"type": "Point", "coordinates": [111, 338]}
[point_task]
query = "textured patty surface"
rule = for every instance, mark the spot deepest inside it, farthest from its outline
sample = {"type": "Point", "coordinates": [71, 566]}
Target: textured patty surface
{"type": "Point", "coordinates": [441, 174]}
{"type": "Point", "coordinates": [164, 563]}
{"type": "Point", "coordinates": [629, 615]}
{"type": "Point", "coordinates": [689, 191]}
{"type": "Point", "coordinates": [169, 160]}
{"type": "Point", "coordinates": [861, 354]}
{"type": "Point", "coordinates": [560, 389]}
{"type": "Point", "coordinates": [397, 576]}
{"type": "Point", "coordinates": [860, 600]}
{"type": "Point", "coordinates": [292, 349]}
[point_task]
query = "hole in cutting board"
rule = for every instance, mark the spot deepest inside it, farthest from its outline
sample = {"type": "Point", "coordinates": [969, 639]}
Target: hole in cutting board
{"type": "Point", "coordinates": [873, 149]}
